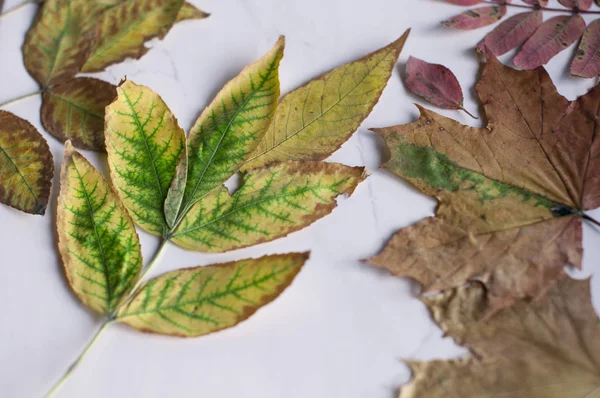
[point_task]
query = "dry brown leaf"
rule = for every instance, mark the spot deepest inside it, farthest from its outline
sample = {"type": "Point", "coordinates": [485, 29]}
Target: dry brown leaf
{"type": "Point", "coordinates": [544, 349]}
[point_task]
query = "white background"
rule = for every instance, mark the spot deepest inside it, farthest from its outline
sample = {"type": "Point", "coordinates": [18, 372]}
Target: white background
{"type": "Point", "coordinates": [342, 328]}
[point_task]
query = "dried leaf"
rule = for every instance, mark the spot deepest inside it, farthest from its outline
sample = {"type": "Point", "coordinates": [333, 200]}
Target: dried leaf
{"type": "Point", "coordinates": [540, 3]}
{"type": "Point", "coordinates": [202, 300]}
{"type": "Point", "coordinates": [314, 120]}
{"type": "Point", "coordinates": [271, 203]}
{"type": "Point", "coordinates": [577, 4]}
{"type": "Point", "coordinates": [530, 173]}
{"type": "Point", "coordinates": [97, 240]}
{"type": "Point", "coordinates": [513, 32]}
{"type": "Point", "coordinates": [190, 11]}
{"type": "Point", "coordinates": [552, 37]}
{"type": "Point", "coordinates": [549, 348]}
{"type": "Point", "coordinates": [75, 111]}
{"type": "Point", "coordinates": [126, 27]}
{"type": "Point", "coordinates": [144, 144]}
{"type": "Point", "coordinates": [436, 83]}
{"type": "Point", "coordinates": [464, 2]}
{"type": "Point", "coordinates": [59, 42]}
{"type": "Point", "coordinates": [587, 59]}
{"type": "Point", "coordinates": [26, 165]}
{"type": "Point", "coordinates": [476, 18]}
{"type": "Point", "coordinates": [231, 127]}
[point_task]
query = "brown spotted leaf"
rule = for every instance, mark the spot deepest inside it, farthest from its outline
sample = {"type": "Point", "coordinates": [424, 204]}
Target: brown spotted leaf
{"type": "Point", "coordinates": [549, 348]}
{"type": "Point", "coordinates": [26, 165]}
{"type": "Point", "coordinates": [587, 59]}
{"type": "Point", "coordinates": [510, 194]}
{"type": "Point", "coordinates": [552, 37]}
{"type": "Point", "coordinates": [512, 33]}
{"type": "Point", "coordinates": [75, 111]}
{"type": "Point", "coordinates": [577, 4]}
{"type": "Point", "coordinates": [476, 18]}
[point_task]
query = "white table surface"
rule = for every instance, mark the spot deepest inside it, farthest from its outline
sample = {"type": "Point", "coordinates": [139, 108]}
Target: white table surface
{"type": "Point", "coordinates": [343, 327]}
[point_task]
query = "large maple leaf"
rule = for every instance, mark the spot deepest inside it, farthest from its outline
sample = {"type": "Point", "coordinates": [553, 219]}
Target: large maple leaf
{"type": "Point", "coordinates": [511, 195]}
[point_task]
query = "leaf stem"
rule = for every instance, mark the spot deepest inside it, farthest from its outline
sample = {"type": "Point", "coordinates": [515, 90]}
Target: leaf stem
{"type": "Point", "coordinates": [58, 385]}
{"type": "Point", "coordinates": [590, 219]}
{"type": "Point", "coordinates": [21, 98]}
{"type": "Point", "coordinates": [571, 10]}
{"type": "Point", "coordinates": [468, 113]}
{"type": "Point", "coordinates": [17, 8]}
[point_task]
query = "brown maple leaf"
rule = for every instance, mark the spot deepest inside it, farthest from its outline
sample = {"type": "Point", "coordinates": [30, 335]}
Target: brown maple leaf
{"type": "Point", "coordinates": [544, 349]}
{"type": "Point", "coordinates": [511, 195]}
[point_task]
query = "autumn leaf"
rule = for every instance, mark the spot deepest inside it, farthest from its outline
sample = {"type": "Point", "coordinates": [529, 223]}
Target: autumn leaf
{"type": "Point", "coordinates": [75, 111]}
{"type": "Point", "coordinates": [436, 83]}
{"type": "Point", "coordinates": [587, 58]}
{"type": "Point", "coordinates": [511, 195]}
{"type": "Point", "coordinates": [476, 18]}
{"type": "Point", "coordinates": [541, 3]}
{"type": "Point", "coordinates": [314, 120]}
{"type": "Point", "coordinates": [577, 4]}
{"type": "Point", "coordinates": [26, 165]}
{"type": "Point", "coordinates": [197, 301]}
{"type": "Point", "coordinates": [512, 33]}
{"type": "Point", "coordinates": [271, 203]}
{"type": "Point", "coordinates": [97, 240]}
{"type": "Point", "coordinates": [549, 348]}
{"type": "Point", "coordinates": [189, 11]}
{"type": "Point", "coordinates": [464, 2]}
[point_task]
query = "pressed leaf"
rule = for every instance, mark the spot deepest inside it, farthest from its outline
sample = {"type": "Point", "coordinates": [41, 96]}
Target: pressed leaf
{"type": "Point", "coordinates": [587, 58]}
{"type": "Point", "coordinates": [59, 42]}
{"type": "Point", "coordinates": [577, 4]}
{"type": "Point", "coordinates": [176, 191]}
{"type": "Point", "coordinates": [529, 174]}
{"type": "Point", "coordinates": [75, 111]}
{"type": "Point", "coordinates": [202, 300]}
{"type": "Point", "coordinates": [548, 348]}
{"type": "Point", "coordinates": [190, 11]}
{"type": "Point", "coordinates": [271, 203]}
{"type": "Point", "coordinates": [476, 18]}
{"type": "Point", "coordinates": [26, 165]}
{"type": "Point", "coordinates": [541, 3]}
{"type": "Point", "coordinates": [552, 37]}
{"type": "Point", "coordinates": [513, 32]}
{"type": "Point", "coordinates": [436, 83]}
{"type": "Point", "coordinates": [144, 144]}
{"type": "Point", "coordinates": [126, 27]}
{"type": "Point", "coordinates": [231, 127]}
{"type": "Point", "coordinates": [314, 120]}
{"type": "Point", "coordinates": [97, 240]}
{"type": "Point", "coordinates": [464, 2]}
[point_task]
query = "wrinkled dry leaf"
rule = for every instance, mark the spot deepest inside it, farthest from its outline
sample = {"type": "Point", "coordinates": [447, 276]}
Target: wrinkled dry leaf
{"type": "Point", "coordinates": [549, 348]}
{"type": "Point", "coordinates": [535, 166]}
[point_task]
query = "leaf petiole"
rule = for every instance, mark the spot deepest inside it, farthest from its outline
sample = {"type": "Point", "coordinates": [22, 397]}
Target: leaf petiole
{"type": "Point", "coordinates": [21, 97]}
{"type": "Point", "coordinates": [468, 113]}
{"type": "Point", "coordinates": [590, 219]}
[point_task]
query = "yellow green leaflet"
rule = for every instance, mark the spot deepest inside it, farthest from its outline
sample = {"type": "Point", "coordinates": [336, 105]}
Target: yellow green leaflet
{"type": "Point", "coordinates": [97, 240]}
{"type": "Point", "coordinates": [144, 144]}
{"type": "Point", "coordinates": [26, 165]}
{"type": "Point", "coordinates": [232, 125]}
{"type": "Point", "coordinates": [270, 204]}
{"type": "Point", "coordinates": [75, 111]}
{"type": "Point", "coordinates": [201, 300]}
{"type": "Point", "coordinates": [59, 42]}
{"type": "Point", "coordinates": [126, 27]}
{"type": "Point", "coordinates": [314, 120]}
{"type": "Point", "coordinates": [190, 11]}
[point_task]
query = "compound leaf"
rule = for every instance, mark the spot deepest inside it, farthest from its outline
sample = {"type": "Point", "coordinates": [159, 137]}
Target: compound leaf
{"type": "Point", "coordinates": [271, 203]}
{"type": "Point", "coordinates": [26, 165]}
{"type": "Point", "coordinates": [97, 240]}
{"type": "Point", "coordinates": [314, 120]}
{"type": "Point", "coordinates": [202, 300]}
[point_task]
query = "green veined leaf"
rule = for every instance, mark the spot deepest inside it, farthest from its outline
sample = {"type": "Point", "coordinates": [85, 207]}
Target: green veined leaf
{"type": "Point", "coordinates": [314, 120]}
{"type": "Point", "coordinates": [126, 27]}
{"type": "Point", "coordinates": [144, 144]}
{"type": "Point", "coordinates": [175, 194]}
{"type": "Point", "coordinates": [201, 300]}
{"type": "Point", "coordinates": [96, 237]}
{"type": "Point", "coordinates": [26, 165]}
{"type": "Point", "coordinates": [270, 204]}
{"type": "Point", "coordinates": [232, 125]}
{"type": "Point", "coordinates": [59, 42]}
{"type": "Point", "coordinates": [190, 11]}
{"type": "Point", "coordinates": [75, 111]}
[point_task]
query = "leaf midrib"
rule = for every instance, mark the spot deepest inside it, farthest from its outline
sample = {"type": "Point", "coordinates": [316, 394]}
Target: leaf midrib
{"type": "Point", "coordinates": [20, 174]}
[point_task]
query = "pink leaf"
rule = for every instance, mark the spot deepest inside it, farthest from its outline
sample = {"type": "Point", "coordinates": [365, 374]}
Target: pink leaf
{"type": "Point", "coordinates": [436, 83]}
{"type": "Point", "coordinates": [580, 4]}
{"type": "Point", "coordinates": [587, 59]}
{"type": "Point", "coordinates": [464, 2]}
{"type": "Point", "coordinates": [552, 37]}
{"type": "Point", "coordinates": [540, 3]}
{"type": "Point", "coordinates": [513, 32]}
{"type": "Point", "coordinates": [476, 18]}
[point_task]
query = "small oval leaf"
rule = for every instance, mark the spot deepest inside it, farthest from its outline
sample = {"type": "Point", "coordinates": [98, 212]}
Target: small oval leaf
{"type": "Point", "coordinates": [26, 165]}
{"type": "Point", "coordinates": [97, 240]}
{"type": "Point", "coordinates": [587, 58]}
{"type": "Point", "coordinates": [476, 18]}
{"type": "Point", "coordinates": [577, 4]}
{"type": "Point", "coordinates": [552, 37]}
{"type": "Point", "coordinates": [513, 32]}
{"type": "Point", "coordinates": [540, 3]}
{"type": "Point", "coordinates": [75, 111]}
{"type": "Point", "coordinates": [197, 301]}
{"type": "Point", "coordinates": [464, 2]}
